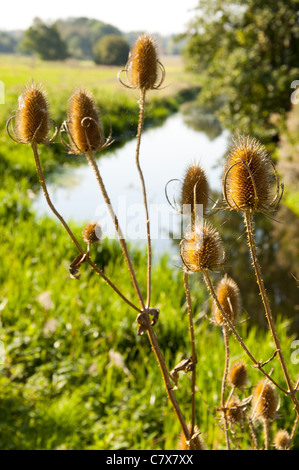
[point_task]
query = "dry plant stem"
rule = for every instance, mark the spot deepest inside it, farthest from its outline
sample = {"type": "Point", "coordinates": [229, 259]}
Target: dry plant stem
{"type": "Point", "coordinates": [193, 349]}
{"type": "Point", "coordinates": [149, 249]}
{"type": "Point", "coordinates": [253, 434]}
{"type": "Point", "coordinates": [166, 377]}
{"type": "Point", "coordinates": [266, 432]}
{"type": "Point", "coordinates": [230, 325]}
{"type": "Point", "coordinates": [93, 163]}
{"type": "Point", "coordinates": [224, 379]}
{"type": "Point", "coordinates": [248, 219]}
{"type": "Point", "coordinates": [69, 231]}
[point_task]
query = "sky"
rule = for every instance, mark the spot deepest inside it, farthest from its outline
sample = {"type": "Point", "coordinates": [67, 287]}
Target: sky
{"type": "Point", "coordinates": [154, 16]}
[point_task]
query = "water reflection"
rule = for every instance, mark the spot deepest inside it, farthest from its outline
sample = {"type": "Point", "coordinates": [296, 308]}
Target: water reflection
{"type": "Point", "coordinates": [165, 153]}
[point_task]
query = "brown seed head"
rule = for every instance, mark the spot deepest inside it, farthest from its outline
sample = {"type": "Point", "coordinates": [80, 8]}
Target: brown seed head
{"type": "Point", "coordinates": [194, 444]}
{"type": "Point", "coordinates": [92, 233]}
{"type": "Point", "coordinates": [238, 375]}
{"type": "Point", "coordinates": [235, 412]}
{"type": "Point", "coordinates": [282, 440]}
{"type": "Point", "coordinates": [248, 176]}
{"type": "Point", "coordinates": [84, 124]}
{"type": "Point", "coordinates": [264, 401]}
{"type": "Point", "coordinates": [143, 63]}
{"type": "Point", "coordinates": [195, 188]}
{"type": "Point", "coordinates": [202, 249]}
{"type": "Point", "coordinates": [228, 294]}
{"type": "Point", "coordinates": [32, 118]}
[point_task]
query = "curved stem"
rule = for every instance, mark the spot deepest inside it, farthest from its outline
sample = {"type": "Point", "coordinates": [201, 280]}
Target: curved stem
{"type": "Point", "coordinates": [192, 341]}
{"type": "Point", "coordinates": [93, 163]}
{"type": "Point", "coordinates": [248, 219]}
{"type": "Point", "coordinates": [149, 249]}
{"type": "Point", "coordinates": [230, 325]}
{"type": "Point", "coordinates": [69, 231]}
{"type": "Point", "coordinates": [223, 385]}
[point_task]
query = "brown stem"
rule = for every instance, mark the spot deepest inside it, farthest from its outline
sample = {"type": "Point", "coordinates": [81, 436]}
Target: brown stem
{"type": "Point", "coordinates": [166, 377]}
{"type": "Point", "coordinates": [193, 349]}
{"type": "Point", "coordinates": [257, 364]}
{"type": "Point", "coordinates": [149, 249]}
{"type": "Point", "coordinates": [266, 433]}
{"type": "Point", "coordinates": [248, 219]}
{"type": "Point", "coordinates": [93, 163]}
{"type": "Point", "coordinates": [69, 231]}
{"type": "Point", "coordinates": [224, 378]}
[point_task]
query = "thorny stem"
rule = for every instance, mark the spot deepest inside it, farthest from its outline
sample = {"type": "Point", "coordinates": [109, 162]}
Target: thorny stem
{"type": "Point", "coordinates": [253, 433]}
{"type": "Point", "coordinates": [248, 219]}
{"type": "Point", "coordinates": [266, 432]}
{"type": "Point", "coordinates": [224, 378]}
{"type": "Point", "coordinates": [193, 349]}
{"type": "Point", "coordinates": [92, 161]}
{"type": "Point", "coordinates": [69, 231]}
{"type": "Point", "coordinates": [230, 325]}
{"type": "Point", "coordinates": [166, 377]}
{"type": "Point", "coordinates": [149, 249]}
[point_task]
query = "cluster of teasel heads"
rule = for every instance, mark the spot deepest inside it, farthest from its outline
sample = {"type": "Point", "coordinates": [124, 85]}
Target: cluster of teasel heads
{"type": "Point", "coordinates": [250, 184]}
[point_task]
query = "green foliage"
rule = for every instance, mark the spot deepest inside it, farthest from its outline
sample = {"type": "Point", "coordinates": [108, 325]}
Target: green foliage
{"type": "Point", "coordinates": [111, 50]}
{"type": "Point", "coordinates": [45, 41]}
{"type": "Point", "coordinates": [246, 55]}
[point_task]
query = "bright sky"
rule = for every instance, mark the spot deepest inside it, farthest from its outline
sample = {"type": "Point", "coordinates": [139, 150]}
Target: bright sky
{"type": "Point", "coordinates": [154, 16]}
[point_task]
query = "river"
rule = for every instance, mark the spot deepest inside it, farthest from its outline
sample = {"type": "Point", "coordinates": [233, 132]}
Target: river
{"type": "Point", "coordinates": [165, 153]}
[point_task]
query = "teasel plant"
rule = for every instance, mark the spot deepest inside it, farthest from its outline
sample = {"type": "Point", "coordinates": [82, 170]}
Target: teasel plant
{"type": "Point", "coordinates": [251, 184]}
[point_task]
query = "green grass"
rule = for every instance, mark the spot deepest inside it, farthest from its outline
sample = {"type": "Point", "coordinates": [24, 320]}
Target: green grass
{"type": "Point", "coordinates": [59, 388]}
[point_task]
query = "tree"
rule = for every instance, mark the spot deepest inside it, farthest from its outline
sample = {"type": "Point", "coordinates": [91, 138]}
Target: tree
{"type": "Point", "coordinates": [246, 52]}
{"type": "Point", "coordinates": [111, 50]}
{"type": "Point", "coordinates": [45, 41]}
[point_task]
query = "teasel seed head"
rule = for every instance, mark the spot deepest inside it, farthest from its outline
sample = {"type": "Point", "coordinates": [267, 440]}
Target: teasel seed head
{"type": "Point", "coordinates": [84, 125]}
{"type": "Point", "coordinates": [195, 442]}
{"type": "Point", "coordinates": [234, 413]}
{"type": "Point", "coordinates": [282, 440]}
{"type": "Point", "coordinates": [92, 233]}
{"type": "Point", "coordinates": [229, 297]}
{"type": "Point", "coordinates": [238, 375]}
{"type": "Point", "coordinates": [264, 401]}
{"type": "Point", "coordinates": [143, 69]}
{"type": "Point", "coordinates": [195, 189]}
{"type": "Point", "coordinates": [201, 249]}
{"type": "Point", "coordinates": [248, 178]}
{"type": "Point", "coordinates": [32, 121]}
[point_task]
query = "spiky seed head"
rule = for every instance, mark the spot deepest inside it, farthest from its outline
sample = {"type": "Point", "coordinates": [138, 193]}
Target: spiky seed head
{"type": "Point", "coordinates": [248, 176]}
{"type": "Point", "coordinates": [32, 117]}
{"type": "Point", "coordinates": [195, 189]}
{"type": "Point", "coordinates": [229, 297]}
{"type": "Point", "coordinates": [83, 123]}
{"type": "Point", "coordinates": [92, 233]}
{"type": "Point", "coordinates": [194, 444]}
{"type": "Point", "coordinates": [202, 249]}
{"type": "Point", "coordinates": [234, 413]}
{"type": "Point", "coordinates": [264, 401]}
{"type": "Point", "coordinates": [238, 375]}
{"type": "Point", "coordinates": [143, 63]}
{"type": "Point", "coordinates": [282, 440]}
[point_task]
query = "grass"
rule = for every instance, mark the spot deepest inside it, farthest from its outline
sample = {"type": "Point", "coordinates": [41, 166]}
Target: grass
{"type": "Point", "coordinates": [76, 375]}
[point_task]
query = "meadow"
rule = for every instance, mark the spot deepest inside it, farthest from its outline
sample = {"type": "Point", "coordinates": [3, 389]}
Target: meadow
{"type": "Point", "coordinates": [76, 375]}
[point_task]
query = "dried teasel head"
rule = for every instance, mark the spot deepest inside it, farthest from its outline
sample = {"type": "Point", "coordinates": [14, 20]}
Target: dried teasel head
{"type": "Point", "coordinates": [195, 188]}
{"type": "Point", "coordinates": [282, 440]}
{"type": "Point", "coordinates": [195, 443]}
{"type": "Point", "coordinates": [143, 69]}
{"type": "Point", "coordinates": [234, 412]}
{"type": "Point", "coordinates": [264, 401]}
{"type": "Point", "coordinates": [92, 233]}
{"type": "Point", "coordinates": [84, 126]}
{"type": "Point", "coordinates": [201, 249]}
{"type": "Point", "coordinates": [229, 297]}
{"type": "Point", "coordinates": [32, 119]}
{"type": "Point", "coordinates": [249, 177]}
{"type": "Point", "coordinates": [238, 375]}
